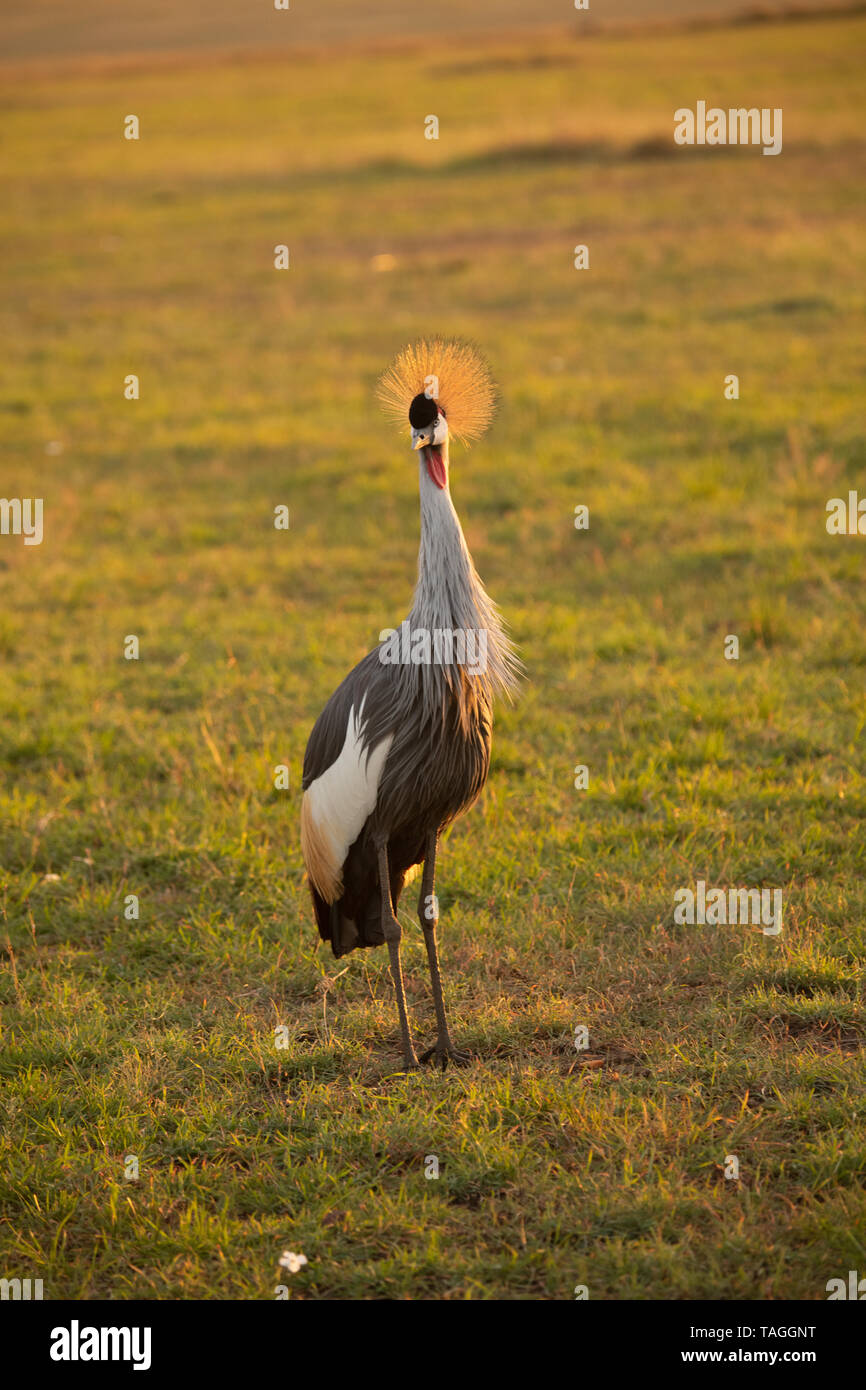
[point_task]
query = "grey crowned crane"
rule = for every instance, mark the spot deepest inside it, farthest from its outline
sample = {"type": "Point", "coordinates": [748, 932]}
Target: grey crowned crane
{"type": "Point", "coordinates": [403, 745]}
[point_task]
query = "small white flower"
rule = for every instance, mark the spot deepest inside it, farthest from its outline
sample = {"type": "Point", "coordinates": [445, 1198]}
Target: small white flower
{"type": "Point", "coordinates": [292, 1262]}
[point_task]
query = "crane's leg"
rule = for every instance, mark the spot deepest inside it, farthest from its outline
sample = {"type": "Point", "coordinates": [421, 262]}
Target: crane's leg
{"type": "Point", "coordinates": [393, 934]}
{"type": "Point", "coordinates": [428, 914]}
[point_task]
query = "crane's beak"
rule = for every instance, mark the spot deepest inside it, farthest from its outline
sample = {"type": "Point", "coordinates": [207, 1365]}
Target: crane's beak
{"type": "Point", "coordinates": [422, 441]}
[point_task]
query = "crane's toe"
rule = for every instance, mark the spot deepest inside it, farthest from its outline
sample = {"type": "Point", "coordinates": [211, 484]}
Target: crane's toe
{"type": "Point", "coordinates": [445, 1053]}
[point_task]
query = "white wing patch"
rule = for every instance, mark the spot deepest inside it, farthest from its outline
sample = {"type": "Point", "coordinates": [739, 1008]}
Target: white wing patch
{"type": "Point", "coordinates": [337, 804]}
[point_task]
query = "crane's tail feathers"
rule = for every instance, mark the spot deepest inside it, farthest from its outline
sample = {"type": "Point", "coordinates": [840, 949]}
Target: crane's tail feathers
{"type": "Point", "coordinates": [347, 933]}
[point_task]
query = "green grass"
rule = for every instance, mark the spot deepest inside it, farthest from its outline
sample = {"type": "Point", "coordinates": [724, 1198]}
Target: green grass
{"type": "Point", "coordinates": [155, 1037]}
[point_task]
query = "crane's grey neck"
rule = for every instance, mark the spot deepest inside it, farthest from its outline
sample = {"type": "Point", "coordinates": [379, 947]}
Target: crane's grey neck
{"type": "Point", "coordinates": [468, 649]}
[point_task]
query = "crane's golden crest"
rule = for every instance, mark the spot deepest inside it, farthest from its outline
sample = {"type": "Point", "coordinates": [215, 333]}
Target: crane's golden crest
{"type": "Point", "coordinates": [450, 371]}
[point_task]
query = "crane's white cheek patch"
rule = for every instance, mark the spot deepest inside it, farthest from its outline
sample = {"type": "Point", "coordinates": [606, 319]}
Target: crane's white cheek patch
{"type": "Point", "coordinates": [336, 806]}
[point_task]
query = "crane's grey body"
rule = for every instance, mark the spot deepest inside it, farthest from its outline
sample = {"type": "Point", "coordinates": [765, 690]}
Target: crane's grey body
{"type": "Point", "coordinates": [413, 741]}
{"type": "Point", "coordinates": [434, 769]}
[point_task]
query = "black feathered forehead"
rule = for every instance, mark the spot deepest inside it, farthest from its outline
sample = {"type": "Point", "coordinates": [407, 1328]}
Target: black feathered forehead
{"type": "Point", "coordinates": [423, 411]}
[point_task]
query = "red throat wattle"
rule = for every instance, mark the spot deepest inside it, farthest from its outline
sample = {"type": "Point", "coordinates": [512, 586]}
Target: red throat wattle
{"type": "Point", "coordinates": [436, 466]}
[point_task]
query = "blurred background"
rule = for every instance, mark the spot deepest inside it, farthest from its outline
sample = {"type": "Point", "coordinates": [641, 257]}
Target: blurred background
{"type": "Point", "coordinates": [49, 27]}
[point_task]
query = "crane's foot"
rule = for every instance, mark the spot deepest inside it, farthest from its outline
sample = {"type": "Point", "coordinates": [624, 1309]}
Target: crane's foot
{"type": "Point", "coordinates": [446, 1052]}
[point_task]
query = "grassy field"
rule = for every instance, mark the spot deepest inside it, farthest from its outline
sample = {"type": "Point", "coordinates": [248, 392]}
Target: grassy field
{"type": "Point", "coordinates": [155, 1037]}
{"type": "Point", "coordinates": [54, 29]}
